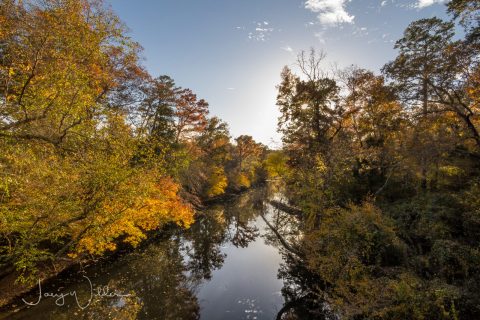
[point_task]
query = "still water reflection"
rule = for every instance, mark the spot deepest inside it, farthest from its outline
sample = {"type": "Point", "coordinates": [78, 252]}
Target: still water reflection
{"type": "Point", "coordinates": [230, 264]}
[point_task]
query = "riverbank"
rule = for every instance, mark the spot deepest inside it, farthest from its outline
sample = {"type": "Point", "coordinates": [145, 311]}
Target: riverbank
{"type": "Point", "coordinates": [11, 292]}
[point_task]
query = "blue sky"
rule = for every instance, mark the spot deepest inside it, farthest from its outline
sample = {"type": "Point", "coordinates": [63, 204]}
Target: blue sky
{"type": "Point", "coordinates": [231, 52]}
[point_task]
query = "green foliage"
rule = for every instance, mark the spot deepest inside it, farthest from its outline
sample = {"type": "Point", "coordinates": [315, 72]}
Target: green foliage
{"type": "Point", "coordinates": [348, 251]}
{"type": "Point", "coordinates": [364, 267]}
{"type": "Point", "coordinates": [386, 175]}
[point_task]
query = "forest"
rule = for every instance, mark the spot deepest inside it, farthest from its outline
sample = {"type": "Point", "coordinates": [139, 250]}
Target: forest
{"type": "Point", "coordinates": [386, 171]}
{"type": "Point", "coordinates": [94, 150]}
{"type": "Point", "coordinates": [381, 169]}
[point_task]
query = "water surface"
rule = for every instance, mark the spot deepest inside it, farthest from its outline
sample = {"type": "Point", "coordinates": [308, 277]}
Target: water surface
{"type": "Point", "coordinates": [228, 265]}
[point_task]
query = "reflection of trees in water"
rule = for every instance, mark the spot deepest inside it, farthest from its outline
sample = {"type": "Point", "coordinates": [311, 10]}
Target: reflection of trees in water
{"type": "Point", "coordinates": [154, 277]}
{"type": "Point", "coordinates": [243, 234]}
{"type": "Point", "coordinates": [157, 277]}
{"type": "Point", "coordinates": [241, 218]}
{"type": "Point", "coordinates": [218, 225]}
{"type": "Point", "coordinates": [163, 276]}
{"type": "Point", "coordinates": [203, 244]}
{"type": "Point", "coordinates": [160, 279]}
{"type": "Point", "coordinates": [235, 222]}
{"type": "Point", "coordinates": [282, 227]}
{"type": "Point", "coordinates": [302, 299]}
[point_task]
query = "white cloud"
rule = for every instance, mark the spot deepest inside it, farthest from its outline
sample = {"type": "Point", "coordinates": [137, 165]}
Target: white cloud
{"type": "Point", "coordinates": [384, 3]}
{"type": "Point", "coordinates": [330, 12]}
{"type": "Point", "coordinates": [288, 49]}
{"type": "Point", "coordinates": [427, 3]}
{"type": "Point", "coordinates": [261, 31]}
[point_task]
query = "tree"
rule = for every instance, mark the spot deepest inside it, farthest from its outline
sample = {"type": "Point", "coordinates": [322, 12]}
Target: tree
{"type": "Point", "coordinates": [276, 164]}
{"type": "Point", "coordinates": [206, 176]}
{"type": "Point", "coordinates": [190, 113]}
{"type": "Point", "coordinates": [309, 108]}
{"type": "Point", "coordinates": [311, 122]}
{"type": "Point", "coordinates": [369, 230]}
{"type": "Point", "coordinates": [420, 59]}
{"type": "Point", "coordinates": [214, 141]}
{"type": "Point", "coordinates": [156, 109]}
{"type": "Point", "coordinates": [246, 150]}
{"type": "Point", "coordinates": [468, 12]}
{"type": "Point", "coordinates": [69, 180]}
{"type": "Point", "coordinates": [58, 62]}
{"type": "Point", "coordinates": [433, 71]}
{"type": "Point", "coordinates": [377, 124]}
{"type": "Point", "coordinates": [419, 71]}
{"type": "Point", "coordinates": [246, 159]}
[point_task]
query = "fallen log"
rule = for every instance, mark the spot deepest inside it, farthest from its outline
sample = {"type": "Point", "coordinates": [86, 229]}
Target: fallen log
{"type": "Point", "coordinates": [286, 208]}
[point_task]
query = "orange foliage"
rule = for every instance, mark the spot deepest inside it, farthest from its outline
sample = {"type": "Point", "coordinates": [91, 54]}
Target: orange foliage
{"type": "Point", "coordinates": [159, 205]}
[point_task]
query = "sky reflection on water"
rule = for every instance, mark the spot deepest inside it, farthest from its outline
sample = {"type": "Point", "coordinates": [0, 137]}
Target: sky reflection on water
{"type": "Point", "coordinates": [226, 266]}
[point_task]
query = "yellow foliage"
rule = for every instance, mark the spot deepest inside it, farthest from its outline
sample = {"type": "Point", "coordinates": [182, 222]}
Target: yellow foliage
{"type": "Point", "coordinates": [242, 180]}
{"type": "Point", "coordinates": [158, 204]}
{"type": "Point", "coordinates": [451, 170]}
{"type": "Point", "coordinates": [217, 182]}
{"type": "Point", "coordinates": [93, 198]}
{"type": "Point", "coordinates": [276, 165]}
